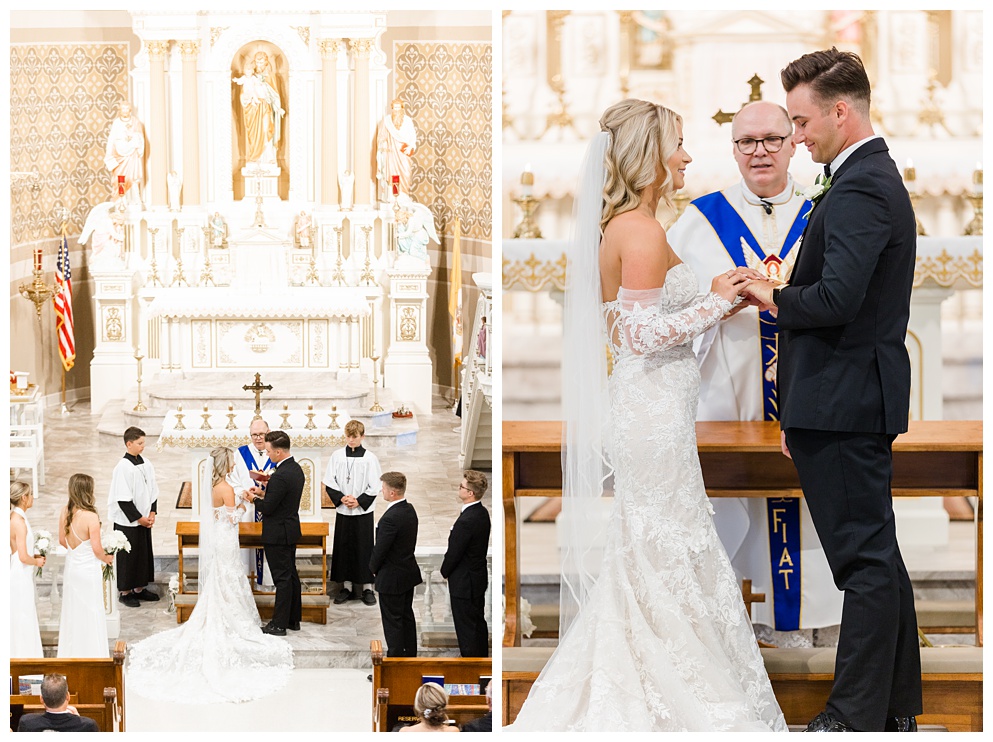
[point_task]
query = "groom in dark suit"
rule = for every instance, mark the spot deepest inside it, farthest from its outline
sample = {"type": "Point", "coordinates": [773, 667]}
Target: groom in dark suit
{"type": "Point", "coordinates": [395, 569]}
{"type": "Point", "coordinates": [280, 510]}
{"type": "Point", "coordinates": [844, 385]}
{"type": "Point", "coordinates": [464, 567]}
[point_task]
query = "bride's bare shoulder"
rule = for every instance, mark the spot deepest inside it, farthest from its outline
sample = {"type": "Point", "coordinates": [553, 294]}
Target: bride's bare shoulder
{"type": "Point", "coordinates": [225, 492]}
{"type": "Point", "coordinates": [638, 243]}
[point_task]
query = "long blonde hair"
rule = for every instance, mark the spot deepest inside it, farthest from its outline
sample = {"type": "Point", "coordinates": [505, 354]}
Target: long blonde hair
{"type": "Point", "coordinates": [80, 497]}
{"type": "Point", "coordinates": [643, 136]}
{"type": "Point", "coordinates": [18, 491]}
{"type": "Point", "coordinates": [223, 458]}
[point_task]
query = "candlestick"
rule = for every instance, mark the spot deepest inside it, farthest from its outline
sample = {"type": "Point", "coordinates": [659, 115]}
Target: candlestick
{"type": "Point", "coordinates": [527, 181]}
{"type": "Point", "coordinates": [37, 258]}
{"type": "Point", "coordinates": [367, 278]}
{"type": "Point", "coordinates": [179, 418]}
{"type": "Point", "coordinates": [310, 418]}
{"type": "Point", "coordinates": [376, 407]}
{"type": "Point", "coordinates": [910, 176]}
{"type": "Point", "coordinates": [230, 416]}
{"type": "Point", "coordinates": [338, 277]}
{"type": "Point", "coordinates": [206, 419]}
{"type": "Point", "coordinates": [334, 418]}
{"type": "Point", "coordinates": [285, 415]}
{"type": "Point", "coordinates": [140, 407]}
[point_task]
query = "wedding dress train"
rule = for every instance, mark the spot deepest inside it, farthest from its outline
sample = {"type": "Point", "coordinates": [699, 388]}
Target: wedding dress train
{"type": "Point", "coordinates": [663, 642]}
{"type": "Point", "coordinates": [220, 654]}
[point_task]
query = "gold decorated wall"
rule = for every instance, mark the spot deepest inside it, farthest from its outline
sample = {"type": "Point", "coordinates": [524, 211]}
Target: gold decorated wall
{"type": "Point", "coordinates": [447, 90]}
{"type": "Point", "coordinates": [63, 90]}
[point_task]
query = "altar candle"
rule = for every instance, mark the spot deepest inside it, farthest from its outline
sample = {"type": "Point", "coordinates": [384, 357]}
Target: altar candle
{"type": "Point", "coordinates": [910, 176]}
{"type": "Point", "coordinates": [286, 406]}
{"type": "Point", "coordinates": [396, 185]}
{"type": "Point", "coordinates": [310, 407]}
{"type": "Point", "coordinates": [527, 180]}
{"type": "Point", "coordinates": [977, 179]}
{"type": "Point", "coordinates": [37, 259]}
{"type": "Point", "coordinates": [230, 407]}
{"type": "Point", "coordinates": [205, 408]}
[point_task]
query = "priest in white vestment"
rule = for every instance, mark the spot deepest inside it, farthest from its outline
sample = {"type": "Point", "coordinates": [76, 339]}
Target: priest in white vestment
{"type": "Point", "coordinates": [252, 457]}
{"type": "Point", "coordinates": [352, 482]}
{"type": "Point", "coordinates": [757, 223]}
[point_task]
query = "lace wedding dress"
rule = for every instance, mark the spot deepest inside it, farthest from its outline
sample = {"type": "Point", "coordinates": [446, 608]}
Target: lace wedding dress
{"type": "Point", "coordinates": [220, 654]}
{"type": "Point", "coordinates": [663, 642]}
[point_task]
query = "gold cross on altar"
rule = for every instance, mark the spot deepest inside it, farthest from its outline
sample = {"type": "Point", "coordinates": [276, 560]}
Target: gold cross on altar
{"type": "Point", "coordinates": [756, 85]}
{"type": "Point", "coordinates": [257, 388]}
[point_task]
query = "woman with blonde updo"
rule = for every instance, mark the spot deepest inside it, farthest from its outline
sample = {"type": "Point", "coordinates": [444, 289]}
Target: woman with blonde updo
{"type": "Point", "coordinates": [25, 638]}
{"type": "Point", "coordinates": [654, 634]}
{"type": "Point", "coordinates": [430, 704]}
{"type": "Point", "coordinates": [220, 655]}
{"type": "Point", "coordinates": [83, 625]}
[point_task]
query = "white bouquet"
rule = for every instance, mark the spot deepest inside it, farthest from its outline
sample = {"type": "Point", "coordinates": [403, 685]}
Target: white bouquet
{"type": "Point", "coordinates": [42, 543]}
{"type": "Point", "coordinates": [113, 542]}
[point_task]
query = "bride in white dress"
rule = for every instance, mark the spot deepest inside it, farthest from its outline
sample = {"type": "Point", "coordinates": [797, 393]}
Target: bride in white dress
{"type": "Point", "coordinates": [659, 638]}
{"type": "Point", "coordinates": [25, 639]}
{"type": "Point", "coordinates": [83, 624]}
{"type": "Point", "coordinates": [220, 655]}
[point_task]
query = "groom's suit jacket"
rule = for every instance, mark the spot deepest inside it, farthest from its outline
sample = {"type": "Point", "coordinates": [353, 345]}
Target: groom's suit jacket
{"type": "Point", "coordinates": [280, 507]}
{"type": "Point", "coordinates": [843, 364]}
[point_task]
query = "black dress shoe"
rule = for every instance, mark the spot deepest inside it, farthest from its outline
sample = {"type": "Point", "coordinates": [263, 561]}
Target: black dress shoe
{"type": "Point", "coordinates": [130, 600]}
{"type": "Point", "coordinates": [901, 724]}
{"type": "Point", "coordinates": [273, 630]}
{"type": "Point", "coordinates": [369, 597]}
{"type": "Point", "coordinates": [146, 594]}
{"type": "Point", "coordinates": [293, 626]}
{"type": "Point", "coordinates": [825, 722]}
{"type": "Point", "coordinates": [343, 597]}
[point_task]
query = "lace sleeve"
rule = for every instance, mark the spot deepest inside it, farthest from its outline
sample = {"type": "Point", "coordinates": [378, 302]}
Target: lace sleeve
{"type": "Point", "coordinates": [648, 328]}
{"type": "Point", "coordinates": [227, 515]}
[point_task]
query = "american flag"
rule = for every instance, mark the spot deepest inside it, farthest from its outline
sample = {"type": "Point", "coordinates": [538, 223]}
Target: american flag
{"type": "Point", "coordinates": [63, 307]}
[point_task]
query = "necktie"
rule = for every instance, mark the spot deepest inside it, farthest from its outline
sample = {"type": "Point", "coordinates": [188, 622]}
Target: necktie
{"type": "Point", "coordinates": [827, 170]}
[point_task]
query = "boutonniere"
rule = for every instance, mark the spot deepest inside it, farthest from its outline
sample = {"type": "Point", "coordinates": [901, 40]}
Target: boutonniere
{"type": "Point", "coordinates": [815, 192]}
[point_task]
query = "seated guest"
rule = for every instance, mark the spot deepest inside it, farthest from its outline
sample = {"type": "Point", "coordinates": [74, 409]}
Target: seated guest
{"type": "Point", "coordinates": [59, 716]}
{"type": "Point", "coordinates": [483, 723]}
{"type": "Point", "coordinates": [430, 704]}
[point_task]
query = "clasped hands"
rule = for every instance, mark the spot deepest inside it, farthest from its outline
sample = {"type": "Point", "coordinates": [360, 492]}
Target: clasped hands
{"type": "Point", "coordinates": [148, 521]}
{"type": "Point", "coordinates": [754, 288]}
{"type": "Point", "coordinates": [350, 502]}
{"type": "Point", "coordinates": [254, 493]}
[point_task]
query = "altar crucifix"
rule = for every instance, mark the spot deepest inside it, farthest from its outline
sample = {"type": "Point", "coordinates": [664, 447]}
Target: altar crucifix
{"type": "Point", "coordinates": [257, 388]}
{"type": "Point", "coordinates": [755, 83]}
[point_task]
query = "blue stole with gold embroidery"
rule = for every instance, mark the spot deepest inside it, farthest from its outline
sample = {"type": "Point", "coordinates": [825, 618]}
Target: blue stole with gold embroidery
{"type": "Point", "coordinates": [249, 458]}
{"type": "Point", "coordinates": [783, 514]}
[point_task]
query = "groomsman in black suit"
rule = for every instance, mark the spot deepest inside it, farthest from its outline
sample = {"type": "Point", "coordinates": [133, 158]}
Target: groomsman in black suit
{"type": "Point", "coordinates": [844, 385]}
{"type": "Point", "coordinates": [464, 567]}
{"type": "Point", "coordinates": [280, 508]}
{"type": "Point", "coordinates": [395, 568]}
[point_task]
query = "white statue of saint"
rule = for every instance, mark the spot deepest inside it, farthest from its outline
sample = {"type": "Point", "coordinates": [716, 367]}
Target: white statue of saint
{"type": "Point", "coordinates": [415, 227]}
{"type": "Point", "coordinates": [125, 153]}
{"type": "Point", "coordinates": [104, 235]}
{"type": "Point", "coordinates": [396, 145]}
{"type": "Point", "coordinates": [174, 186]}
{"type": "Point", "coordinates": [262, 110]}
{"type": "Point", "coordinates": [218, 230]}
{"type": "Point", "coordinates": [304, 224]}
{"type": "Point", "coordinates": [346, 182]}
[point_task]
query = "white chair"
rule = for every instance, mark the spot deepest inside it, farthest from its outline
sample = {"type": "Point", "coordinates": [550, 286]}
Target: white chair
{"type": "Point", "coordinates": [26, 452]}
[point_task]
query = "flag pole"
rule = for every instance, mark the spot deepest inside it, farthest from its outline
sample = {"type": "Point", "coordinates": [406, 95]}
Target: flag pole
{"type": "Point", "coordinates": [64, 410]}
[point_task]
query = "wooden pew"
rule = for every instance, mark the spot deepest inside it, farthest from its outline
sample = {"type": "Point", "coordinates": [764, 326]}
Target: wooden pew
{"type": "Point", "coordinates": [395, 681]}
{"type": "Point", "coordinates": [743, 459]}
{"type": "Point", "coordinates": [98, 684]}
{"type": "Point", "coordinates": [314, 536]}
{"type": "Point", "coordinates": [952, 683]}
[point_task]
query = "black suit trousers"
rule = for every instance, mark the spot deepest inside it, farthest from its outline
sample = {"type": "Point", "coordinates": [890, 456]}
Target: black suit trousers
{"type": "Point", "coordinates": [846, 479]}
{"type": "Point", "coordinates": [470, 625]}
{"type": "Point", "coordinates": [399, 624]}
{"type": "Point", "coordinates": [282, 560]}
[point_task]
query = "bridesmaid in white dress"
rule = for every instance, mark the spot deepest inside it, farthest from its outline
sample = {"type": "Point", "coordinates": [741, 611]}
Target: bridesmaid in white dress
{"type": "Point", "coordinates": [83, 628]}
{"type": "Point", "coordinates": [25, 639]}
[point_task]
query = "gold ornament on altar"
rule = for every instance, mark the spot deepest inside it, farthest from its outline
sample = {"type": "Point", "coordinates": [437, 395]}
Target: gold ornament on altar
{"type": "Point", "coordinates": [140, 407]}
{"type": "Point", "coordinates": [376, 407]}
{"type": "Point", "coordinates": [975, 227]}
{"type": "Point", "coordinates": [910, 181]}
{"type": "Point", "coordinates": [179, 418]}
{"type": "Point", "coordinates": [310, 425]}
{"type": "Point", "coordinates": [231, 416]}
{"type": "Point", "coordinates": [527, 229]}
{"type": "Point", "coordinates": [206, 419]}
{"type": "Point", "coordinates": [334, 418]}
{"type": "Point", "coordinates": [338, 276]}
{"type": "Point", "coordinates": [285, 415]}
{"type": "Point", "coordinates": [257, 388]}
